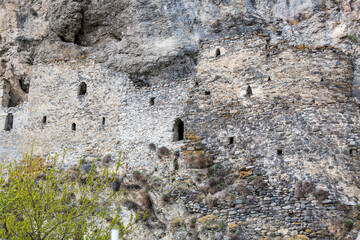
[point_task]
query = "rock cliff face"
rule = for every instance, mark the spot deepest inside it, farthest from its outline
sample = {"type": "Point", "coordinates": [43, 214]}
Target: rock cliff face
{"type": "Point", "coordinates": [241, 115]}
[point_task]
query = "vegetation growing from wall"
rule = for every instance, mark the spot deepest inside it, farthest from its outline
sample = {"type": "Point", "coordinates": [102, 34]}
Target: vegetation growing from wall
{"type": "Point", "coordinates": [40, 200]}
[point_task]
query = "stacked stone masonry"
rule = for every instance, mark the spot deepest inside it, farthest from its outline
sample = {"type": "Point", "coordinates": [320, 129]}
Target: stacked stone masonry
{"type": "Point", "coordinates": [287, 109]}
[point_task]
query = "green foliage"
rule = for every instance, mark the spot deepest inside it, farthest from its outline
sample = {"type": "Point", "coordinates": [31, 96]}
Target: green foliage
{"type": "Point", "coordinates": [352, 37]}
{"type": "Point", "coordinates": [349, 224]}
{"type": "Point", "coordinates": [176, 164]}
{"type": "Point", "coordinates": [222, 226]}
{"type": "Point", "coordinates": [252, 177]}
{"type": "Point", "coordinates": [216, 166]}
{"type": "Point", "coordinates": [39, 201]}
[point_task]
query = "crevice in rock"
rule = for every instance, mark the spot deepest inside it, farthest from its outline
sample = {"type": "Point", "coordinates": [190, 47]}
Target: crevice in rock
{"type": "Point", "coordinates": [14, 100]}
{"type": "Point", "coordinates": [9, 122]}
{"type": "Point", "coordinates": [25, 86]}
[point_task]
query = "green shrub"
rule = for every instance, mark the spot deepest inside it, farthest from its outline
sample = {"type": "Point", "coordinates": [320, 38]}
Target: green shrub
{"type": "Point", "coordinates": [39, 200]}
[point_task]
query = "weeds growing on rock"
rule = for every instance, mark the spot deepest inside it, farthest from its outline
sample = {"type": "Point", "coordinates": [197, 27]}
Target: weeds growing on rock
{"type": "Point", "coordinates": [349, 224]}
{"type": "Point", "coordinates": [198, 161]}
{"type": "Point", "coordinates": [321, 195]}
{"type": "Point", "coordinates": [163, 151]}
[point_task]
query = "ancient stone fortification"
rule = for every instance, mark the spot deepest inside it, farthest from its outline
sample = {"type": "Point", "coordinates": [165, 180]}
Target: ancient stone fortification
{"type": "Point", "coordinates": [234, 118]}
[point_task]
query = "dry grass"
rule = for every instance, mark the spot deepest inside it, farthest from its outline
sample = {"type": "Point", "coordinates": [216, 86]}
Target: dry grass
{"type": "Point", "coordinates": [145, 200]}
{"type": "Point", "coordinates": [199, 161]}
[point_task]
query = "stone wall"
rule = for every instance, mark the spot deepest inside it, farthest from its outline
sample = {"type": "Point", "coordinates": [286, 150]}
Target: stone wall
{"type": "Point", "coordinates": [112, 117]}
{"type": "Point", "coordinates": [256, 106]}
{"type": "Point", "coordinates": [298, 120]}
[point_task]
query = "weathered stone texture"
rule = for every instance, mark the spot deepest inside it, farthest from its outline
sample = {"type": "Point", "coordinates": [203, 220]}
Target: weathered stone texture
{"type": "Point", "coordinates": [264, 89]}
{"type": "Point", "coordinates": [300, 104]}
{"type": "Point", "coordinates": [130, 123]}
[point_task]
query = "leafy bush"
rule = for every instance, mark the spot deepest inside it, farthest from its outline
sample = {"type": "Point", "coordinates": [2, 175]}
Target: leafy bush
{"type": "Point", "coordinates": [39, 200]}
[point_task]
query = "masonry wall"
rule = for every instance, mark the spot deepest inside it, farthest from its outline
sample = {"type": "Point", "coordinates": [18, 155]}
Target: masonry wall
{"type": "Point", "coordinates": [298, 122]}
{"type": "Point", "coordinates": [279, 111]}
{"type": "Point", "coordinates": [131, 123]}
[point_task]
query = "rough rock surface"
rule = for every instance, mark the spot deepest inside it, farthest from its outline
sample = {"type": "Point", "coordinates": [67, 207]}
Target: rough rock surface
{"type": "Point", "coordinates": [260, 97]}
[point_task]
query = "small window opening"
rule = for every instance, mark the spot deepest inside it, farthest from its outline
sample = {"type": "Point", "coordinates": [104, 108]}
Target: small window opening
{"type": "Point", "coordinates": [152, 101]}
{"type": "Point", "coordinates": [73, 126]}
{"type": "Point", "coordinates": [82, 89]}
{"type": "Point", "coordinates": [217, 52]}
{"type": "Point", "coordinates": [249, 91]}
{"type": "Point", "coordinates": [178, 130]}
{"type": "Point", "coordinates": [231, 140]}
{"type": "Point", "coordinates": [207, 93]}
{"type": "Point", "coordinates": [44, 120]}
{"type": "Point", "coordinates": [352, 152]}
{"type": "Point", "coordinates": [9, 122]}
{"type": "Point", "coordinates": [269, 79]}
{"type": "Point", "coordinates": [279, 152]}
{"type": "Point", "coordinates": [103, 121]}
{"type": "Point", "coordinates": [322, 79]}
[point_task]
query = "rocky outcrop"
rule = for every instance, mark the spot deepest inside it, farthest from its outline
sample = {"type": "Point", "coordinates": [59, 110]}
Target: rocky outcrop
{"type": "Point", "coordinates": [228, 108]}
{"type": "Point", "coordinates": [157, 41]}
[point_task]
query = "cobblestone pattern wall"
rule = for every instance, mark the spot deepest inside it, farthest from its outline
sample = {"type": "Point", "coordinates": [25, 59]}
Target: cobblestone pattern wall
{"type": "Point", "coordinates": [290, 109]}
